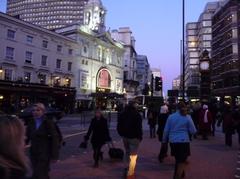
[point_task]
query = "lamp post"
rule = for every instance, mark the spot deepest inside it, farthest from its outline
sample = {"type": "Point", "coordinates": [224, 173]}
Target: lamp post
{"type": "Point", "coordinates": [183, 49]}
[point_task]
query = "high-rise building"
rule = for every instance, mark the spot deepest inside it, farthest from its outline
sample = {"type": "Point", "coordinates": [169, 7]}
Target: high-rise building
{"type": "Point", "coordinates": [143, 72]}
{"type": "Point", "coordinates": [50, 14]}
{"type": "Point", "coordinates": [198, 39]}
{"type": "Point", "coordinates": [225, 52]}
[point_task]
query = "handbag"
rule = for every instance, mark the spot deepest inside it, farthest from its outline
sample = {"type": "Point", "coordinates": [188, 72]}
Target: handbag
{"type": "Point", "coordinates": [115, 153]}
{"type": "Point", "coordinates": [83, 145]}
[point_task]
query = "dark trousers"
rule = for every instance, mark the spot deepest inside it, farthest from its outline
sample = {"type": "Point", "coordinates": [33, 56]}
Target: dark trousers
{"type": "Point", "coordinates": [152, 131]}
{"type": "Point", "coordinates": [228, 138]}
{"type": "Point", "coordinates": [97, 153]}
{"type": "Point", "coordinates": [163, 151]}
{"type": "Point", "coordinates": [40, 168]}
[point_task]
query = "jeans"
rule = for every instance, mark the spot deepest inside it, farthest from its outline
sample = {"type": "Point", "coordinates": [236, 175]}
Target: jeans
{"type": "Point", "coordinates": [131, 147]}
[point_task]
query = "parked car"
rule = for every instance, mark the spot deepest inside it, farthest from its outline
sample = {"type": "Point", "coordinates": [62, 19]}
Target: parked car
{"type": "Point", "coordinates": [52, 113]}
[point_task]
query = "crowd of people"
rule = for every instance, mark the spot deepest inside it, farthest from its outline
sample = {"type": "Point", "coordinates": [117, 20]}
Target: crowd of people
{"type": "Point", "coordinates": [176, 126]}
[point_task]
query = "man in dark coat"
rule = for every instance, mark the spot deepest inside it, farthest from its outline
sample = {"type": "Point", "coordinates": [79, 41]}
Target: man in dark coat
{"type": "Point", "coordinates": [45, 143]}
{"type": "Point", "coordinates": [129, 127]}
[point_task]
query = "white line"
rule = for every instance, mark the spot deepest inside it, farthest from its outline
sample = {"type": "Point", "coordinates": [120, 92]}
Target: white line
{"type": "Point", "coordinates": [75, 134]}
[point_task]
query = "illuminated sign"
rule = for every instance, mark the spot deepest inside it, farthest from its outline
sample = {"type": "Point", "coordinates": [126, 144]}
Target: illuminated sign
{"type": "Point", "coordinates": [104, 79]}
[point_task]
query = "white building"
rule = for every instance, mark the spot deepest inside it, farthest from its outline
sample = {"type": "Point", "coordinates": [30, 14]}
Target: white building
{"type": "Point", "coordinates": [99, 71]}
{"type": "Point", "coordinates": [36, 62]}
{"type": "Point", "coordinates": [81, 59]}
{"type": "Point", "coordinates": [124, 35]}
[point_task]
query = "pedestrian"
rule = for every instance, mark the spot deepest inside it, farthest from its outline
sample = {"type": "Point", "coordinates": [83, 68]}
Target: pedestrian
{"type": "Point", "coordinates": [236, 119]}
{"type": "Point", "coordinates": [129, 127]}
{"type": "Point", "coordinates": [152, 121]}
{"type": "Point", "coordinates": [45, 142]}
{"type": "Point", "coordinates": [205, 122]}
{"type": "Point", "coordinates": [99, 133]}
{"type": "Point", "coordinates": [227, 124]}
{"type": "Point", "coordinates": [14, 163]}
{"type": "Point", "coordinates": [195, 116]}
{"type": "Point", "coordinates": [163, 115]}
{"type": "Point", "coordinates": [178, 127]}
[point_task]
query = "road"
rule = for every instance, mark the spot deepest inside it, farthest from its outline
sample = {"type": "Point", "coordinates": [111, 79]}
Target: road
{"type": "Point", "coordinates": [210, 159]}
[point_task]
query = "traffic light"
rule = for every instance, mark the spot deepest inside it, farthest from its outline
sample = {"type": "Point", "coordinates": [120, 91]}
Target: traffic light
{"type": "Point", "coordinates": [158, 83]}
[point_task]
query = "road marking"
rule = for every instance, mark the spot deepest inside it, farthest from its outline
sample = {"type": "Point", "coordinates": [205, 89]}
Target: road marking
{"type": "Point", "coordinates": [75, 134]}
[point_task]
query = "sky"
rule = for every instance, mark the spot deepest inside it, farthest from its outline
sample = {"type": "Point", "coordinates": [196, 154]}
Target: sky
{"type": "Point", "coordinates": [156, 26]}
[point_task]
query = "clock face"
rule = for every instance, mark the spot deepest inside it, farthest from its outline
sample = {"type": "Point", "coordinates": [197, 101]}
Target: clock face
{"type": "Point", "coordinates": [204, 65]}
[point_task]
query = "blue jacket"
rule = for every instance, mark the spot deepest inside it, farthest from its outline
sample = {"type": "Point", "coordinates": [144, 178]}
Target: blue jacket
{"type": "Point", "coordinates": [178, 128]}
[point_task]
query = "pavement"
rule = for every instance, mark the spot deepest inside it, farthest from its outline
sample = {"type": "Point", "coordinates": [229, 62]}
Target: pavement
{"type": "Point", "coordinates": [209, 160]}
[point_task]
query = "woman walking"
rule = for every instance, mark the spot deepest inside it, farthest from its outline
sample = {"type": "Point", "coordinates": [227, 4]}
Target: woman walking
{"type": "Point", "coordinates": [13, 161]}
{"type": "Point", "coordinates": [178, 127]}
{"type": "Point", "coordinates": [98, 130]}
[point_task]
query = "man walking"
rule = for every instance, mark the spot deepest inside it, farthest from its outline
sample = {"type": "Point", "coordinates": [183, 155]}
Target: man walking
{"type": "Point", "coordinates": [129, 128]}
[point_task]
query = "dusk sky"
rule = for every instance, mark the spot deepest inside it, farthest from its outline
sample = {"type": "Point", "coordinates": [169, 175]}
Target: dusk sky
{"type": "Point", "coordinates": [156, 25]}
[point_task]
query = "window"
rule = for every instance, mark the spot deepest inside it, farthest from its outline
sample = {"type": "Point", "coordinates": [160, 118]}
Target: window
{"type": "Point", "coordinates": [83, 62]}
{"type": "Point", "coordinates": [193, 54]}
{"type": "Point", "coordinates": [69, 66]}
{"type": "Point", "coordinates": [42, 78]}
{"type": "Point", "coordinates": [207, 37]}
{"type": "Point", "coordinates": [29, 39]}
{"type": "Point", "coordinates": [58, 63]}
{"type": "Point", "coordinates": [11, 34]}
{"type": "Point", "coordinates": [28, 57]}
{"type": "Point", "coordinates": [44, 60]}
{"type": "Point", "coordinates": [45, 44]}
{"type": "Point", "coordinates": [59, 48]}
{"type": "Point", "coordinates": [85, 49]}
{"type": "Point", "coordinates": [207, 23]}
{"type": "Point", "coordinates": [70, 51]}
{"type": "Point", "coordinates": [27, 77]}
{"type": "Point", "coordinates": [9, 53]}
{"type": "Point", "coordinates": [8, 74]}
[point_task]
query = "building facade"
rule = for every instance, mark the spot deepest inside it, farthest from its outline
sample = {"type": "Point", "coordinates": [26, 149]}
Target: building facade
{"type": "Point", "coordinates": [176, 84]}
{"type": "Point", "coordinates": [124, 35]}
{"type": "Point", "coordinates": [99, 70]}
{"type": "Point", "coordinates": [143, 72]}
{"type": "Point", "coordinates": [74, 67]}
{"type": "Point", "coordinates": [36, 65]}
{"type": "Point", "coordinates": [50, 14]}
{"type": "Point", "coordinates": [198, 38]}
{"type": "Point", "coordinates": [225, 65]}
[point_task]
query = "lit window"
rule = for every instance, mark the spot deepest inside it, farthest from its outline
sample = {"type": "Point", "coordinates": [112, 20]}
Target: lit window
{"type": "Point", "coordinates": [11, 34]}
{"type": "Point", "coordinates": [27, 77]}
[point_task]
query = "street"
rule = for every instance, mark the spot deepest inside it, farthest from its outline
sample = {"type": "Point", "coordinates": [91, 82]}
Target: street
{"type": "Point", "coordinates": [210, 159]}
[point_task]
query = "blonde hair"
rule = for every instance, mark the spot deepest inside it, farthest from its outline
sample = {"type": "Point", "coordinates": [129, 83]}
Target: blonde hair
{"type": "Point", "coordinates": [40, 106]}
{"type": "Point", "coordinates": [12, 154]}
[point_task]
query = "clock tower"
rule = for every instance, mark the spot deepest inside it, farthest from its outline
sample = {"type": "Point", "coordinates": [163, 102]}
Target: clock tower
{"type": "Point", "coordinates": [94, 16]}
{"type": "Point", "coordinates": [205, 80]}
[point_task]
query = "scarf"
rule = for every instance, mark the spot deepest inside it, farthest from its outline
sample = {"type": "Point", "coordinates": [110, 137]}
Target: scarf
{"type": "Point", "coordinates": [206, 116]}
